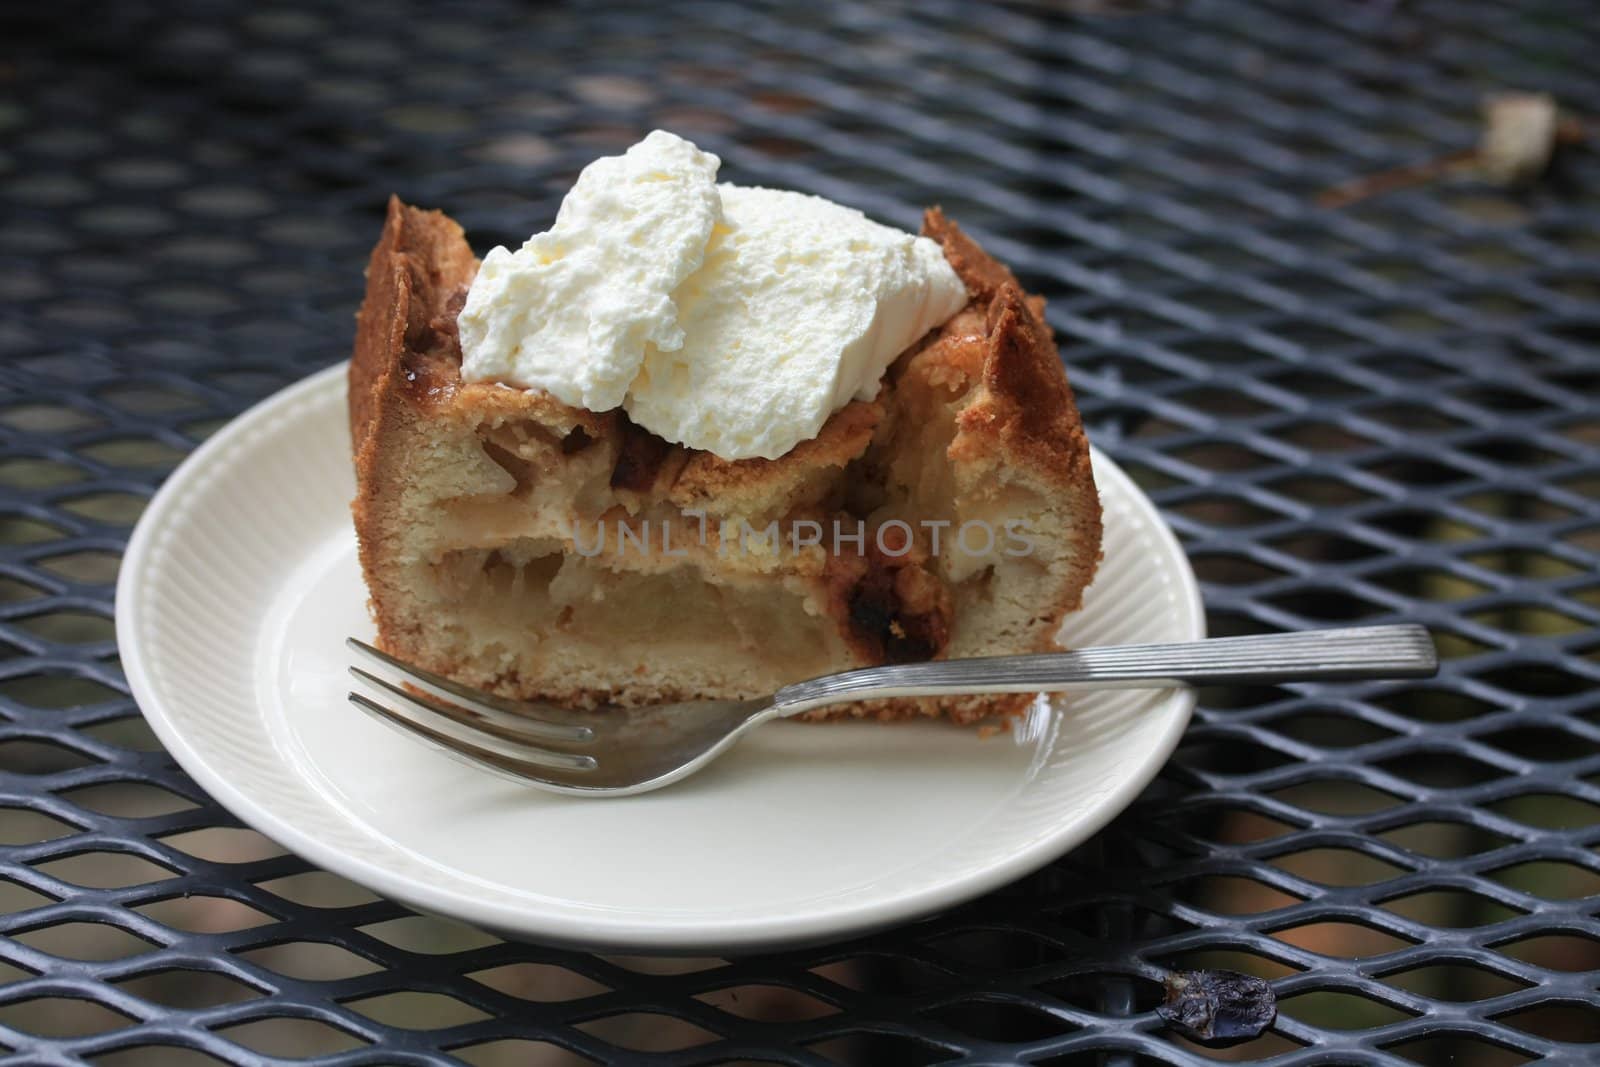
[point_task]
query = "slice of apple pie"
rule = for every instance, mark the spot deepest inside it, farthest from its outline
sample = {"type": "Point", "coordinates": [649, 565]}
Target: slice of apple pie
{"type": "Point", "coordinates": [539, 549]}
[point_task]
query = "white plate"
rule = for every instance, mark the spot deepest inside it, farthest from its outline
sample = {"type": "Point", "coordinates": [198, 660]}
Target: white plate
{"type": "Point", "coordinates": [241, 582]}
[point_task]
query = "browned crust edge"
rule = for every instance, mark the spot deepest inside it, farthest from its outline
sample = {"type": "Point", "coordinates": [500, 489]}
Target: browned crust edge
{"type": "Point", "coordinates": [421, 261]}
{"type": "Point", "coordinates": [1025, 414]}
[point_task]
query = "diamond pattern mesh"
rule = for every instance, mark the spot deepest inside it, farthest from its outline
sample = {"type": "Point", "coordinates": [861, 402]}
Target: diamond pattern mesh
{"type": "Point", "coordinates": [1387, 412]}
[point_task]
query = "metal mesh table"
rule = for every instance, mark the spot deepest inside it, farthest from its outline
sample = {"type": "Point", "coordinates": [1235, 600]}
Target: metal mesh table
{"type": "Point", "coordinates": [1387, 412]}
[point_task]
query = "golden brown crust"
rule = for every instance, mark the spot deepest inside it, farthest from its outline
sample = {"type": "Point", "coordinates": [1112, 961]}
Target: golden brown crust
{"type": "Point", "coordinates": [983, 274]}
{"type": "Point", "coordinates": [405, 328]}
{"type": "Point", "coordinates": [420, 264]}
{"type": "Point", "coordinates": [776, 486]}
{"type": "Point", "coordinates": [1024, 407]}
{"type": "Point", "coordinates": [1025, 412]}
{"type": "Point", "coordinates": [995, 710]}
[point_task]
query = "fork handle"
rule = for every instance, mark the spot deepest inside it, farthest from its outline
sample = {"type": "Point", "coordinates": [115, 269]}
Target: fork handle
{"type": "Point", "coordinates": [1399, 651]}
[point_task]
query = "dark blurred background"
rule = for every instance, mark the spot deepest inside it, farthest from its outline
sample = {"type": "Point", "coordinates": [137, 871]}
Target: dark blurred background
{"type": "Point", "coordinates": [1376, 411]}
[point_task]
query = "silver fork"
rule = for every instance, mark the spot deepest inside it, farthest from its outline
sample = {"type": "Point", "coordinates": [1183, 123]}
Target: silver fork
{"type": "Point", "coordinates": [616, 751]}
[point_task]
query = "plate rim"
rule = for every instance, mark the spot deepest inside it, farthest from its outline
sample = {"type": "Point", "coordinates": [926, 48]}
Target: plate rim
{"type": "Point", "coordinates": [613, 934]}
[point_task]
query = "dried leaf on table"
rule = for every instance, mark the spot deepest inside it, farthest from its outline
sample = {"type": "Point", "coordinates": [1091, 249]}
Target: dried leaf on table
{"type": "Point", "coordinates": [1217, 1007]}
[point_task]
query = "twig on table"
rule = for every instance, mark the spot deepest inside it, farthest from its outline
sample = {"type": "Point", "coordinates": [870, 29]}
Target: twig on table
{"type": "Point", "coordinates": [1521, 134]}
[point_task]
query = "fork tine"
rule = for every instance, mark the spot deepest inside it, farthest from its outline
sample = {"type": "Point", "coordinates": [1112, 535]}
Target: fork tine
{"type": "Point", "coordinates": [510, 714]}
{"type": "Point", "coordinates": [517, 758]}
{"type": "Point", "coordinates": [511, 728]}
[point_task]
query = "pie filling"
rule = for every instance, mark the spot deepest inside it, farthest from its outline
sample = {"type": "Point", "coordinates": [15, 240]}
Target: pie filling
{"type": "Point", "coordinates": [581, 548]}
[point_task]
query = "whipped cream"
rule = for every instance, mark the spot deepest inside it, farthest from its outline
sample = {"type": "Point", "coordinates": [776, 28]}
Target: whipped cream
{"type": "Point", "coordinates": [572, 310]}
{"type": "Point", "coordinates": [730, 319]}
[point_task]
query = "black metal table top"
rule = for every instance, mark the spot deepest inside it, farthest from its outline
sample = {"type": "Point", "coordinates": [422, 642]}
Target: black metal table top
{"type": "Point", "coordinates": [1385, 412]}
